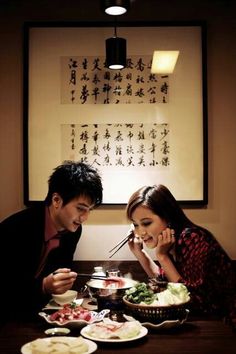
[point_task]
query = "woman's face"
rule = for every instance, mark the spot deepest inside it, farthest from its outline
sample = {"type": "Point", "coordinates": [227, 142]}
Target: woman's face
{"type": "Point", "coordinates": [147, 225]}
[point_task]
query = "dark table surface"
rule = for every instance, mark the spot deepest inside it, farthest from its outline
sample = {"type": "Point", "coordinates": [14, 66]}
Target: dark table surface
{"type": "Point", "coordinates": [195, 336]}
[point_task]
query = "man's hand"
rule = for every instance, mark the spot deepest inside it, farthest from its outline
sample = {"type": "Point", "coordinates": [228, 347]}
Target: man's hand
{"type": "Point", "coordinates": [59, 281]}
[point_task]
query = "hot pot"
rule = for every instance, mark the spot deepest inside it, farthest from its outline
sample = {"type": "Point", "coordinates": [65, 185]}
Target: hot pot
{"type": "Point", "coordinates": [109, 293]}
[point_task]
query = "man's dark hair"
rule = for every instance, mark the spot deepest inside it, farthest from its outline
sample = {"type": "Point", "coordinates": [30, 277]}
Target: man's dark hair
{"type": "Point", "coordinates": [74, 179]}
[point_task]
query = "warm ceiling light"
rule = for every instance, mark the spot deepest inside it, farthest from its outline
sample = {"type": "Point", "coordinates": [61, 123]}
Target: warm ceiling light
{"type": "Point", "coordinates": [163, 61]}
{"type": "Point", "coordinates": [115, 7]}
{"type": "Point", "coordinates": [115, 53]}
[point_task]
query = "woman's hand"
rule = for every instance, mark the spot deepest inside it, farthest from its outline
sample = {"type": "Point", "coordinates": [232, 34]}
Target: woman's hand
{"type": "Point", "coordinates": [166, 239]}
{"type": "Point", "coordinates": [59, 281]}
{"type": "Point", "coordinates": [135, 244]}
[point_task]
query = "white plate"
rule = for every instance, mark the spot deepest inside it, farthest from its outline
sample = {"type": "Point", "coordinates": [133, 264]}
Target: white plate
{"type": "Point", "coordinates": [96, 317]}
{"type": "Point", "coordinates": [163, 325]}
{"type": "Point", "coordinates": [92, 346]}
{"type": "Point", "coordinates": [143, 332]}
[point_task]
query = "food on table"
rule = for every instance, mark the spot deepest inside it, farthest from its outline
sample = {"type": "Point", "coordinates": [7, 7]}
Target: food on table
{"type": "Point", "coordinates": [175, 294]}
{"type": "Point", "coordinates": [59, 345]}
{"type": "Point", "coordinates": [108, 329]}
{"type": "Point", "coordinates": [70, 312]}
{"type": "Point", "coordinates": [113, 282]}
{"type": "Point", "coordinates": [140, 293]}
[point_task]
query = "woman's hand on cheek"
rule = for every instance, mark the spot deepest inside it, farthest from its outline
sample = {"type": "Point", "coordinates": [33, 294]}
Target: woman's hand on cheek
{"type": "Point", "coordinates": [165, 241]}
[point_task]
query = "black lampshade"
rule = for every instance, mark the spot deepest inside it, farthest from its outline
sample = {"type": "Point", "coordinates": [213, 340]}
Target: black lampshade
{"type": "Point", "coordinates": [115, 7]}
{"type": "Point", "coordinates": [116, 53]}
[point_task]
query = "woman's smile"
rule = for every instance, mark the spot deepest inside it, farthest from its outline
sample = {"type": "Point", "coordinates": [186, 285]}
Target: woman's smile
{"type": "Point", "coordinates": [149, 241]}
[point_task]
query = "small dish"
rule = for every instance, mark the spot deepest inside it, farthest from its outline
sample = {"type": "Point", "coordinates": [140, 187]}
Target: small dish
{"type": "Point", "coordinates": [65, 298]}
{"type": "Point", "coordinates": [95, 317]}
{"type": "Point", "coordinates": [52, 305]}
{"type": "Point", "coordinates": [57, 331]}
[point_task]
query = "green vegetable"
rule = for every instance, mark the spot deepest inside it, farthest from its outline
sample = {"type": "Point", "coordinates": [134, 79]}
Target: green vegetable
{"type": "Point", "coordinates": [73, 305]}
{"type": "Point", "coordinates": [140, 293]}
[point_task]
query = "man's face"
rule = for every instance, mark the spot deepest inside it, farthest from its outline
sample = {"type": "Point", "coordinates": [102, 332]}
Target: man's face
{"type": "Point", "coordinates": [72, 215]}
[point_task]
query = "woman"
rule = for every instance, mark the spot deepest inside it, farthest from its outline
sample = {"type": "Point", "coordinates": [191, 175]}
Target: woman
{"type": "Point", "coordinates": [185, 252]}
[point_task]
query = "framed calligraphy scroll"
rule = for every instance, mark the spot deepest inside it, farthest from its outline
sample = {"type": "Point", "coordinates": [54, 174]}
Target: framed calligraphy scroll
{"type": "Point", "coordinates": [137, 128]}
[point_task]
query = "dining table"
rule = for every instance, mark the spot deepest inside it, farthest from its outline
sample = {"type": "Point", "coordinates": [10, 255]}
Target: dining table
{"type": "Point", "coordinates": [194, 336]}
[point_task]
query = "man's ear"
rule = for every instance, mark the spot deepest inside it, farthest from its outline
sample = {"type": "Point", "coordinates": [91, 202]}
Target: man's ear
{"type": "Point", "coordinates": [56, 200]}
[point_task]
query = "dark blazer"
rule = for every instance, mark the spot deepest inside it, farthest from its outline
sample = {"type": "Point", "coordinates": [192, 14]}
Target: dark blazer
{"type": "Point", "coordinates": [21, 240]}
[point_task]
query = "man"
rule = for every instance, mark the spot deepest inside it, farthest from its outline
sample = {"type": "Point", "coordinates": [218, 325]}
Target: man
{"type": "Point", "coordinates": [38, 243]}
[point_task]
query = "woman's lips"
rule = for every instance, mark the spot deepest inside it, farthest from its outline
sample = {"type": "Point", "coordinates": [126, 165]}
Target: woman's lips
{"type": "Point", "coordinates": [147, 239]}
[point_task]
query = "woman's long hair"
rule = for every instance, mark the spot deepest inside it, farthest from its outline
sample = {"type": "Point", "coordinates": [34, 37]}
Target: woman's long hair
{"type": "Point", "coordinates": [161, 202]}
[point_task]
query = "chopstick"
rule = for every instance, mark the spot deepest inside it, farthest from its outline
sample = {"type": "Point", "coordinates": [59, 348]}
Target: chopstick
{"type": "Point", "coordinates": [100, 277]}
{"type": "Point", "coordinates": [121, 244]}
{"type": "Point", "coordinates": [91, 276]}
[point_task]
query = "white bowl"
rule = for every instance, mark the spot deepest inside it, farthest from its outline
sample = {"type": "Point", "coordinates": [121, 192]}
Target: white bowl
{"type": "Point", "coordinates": [65, 298]}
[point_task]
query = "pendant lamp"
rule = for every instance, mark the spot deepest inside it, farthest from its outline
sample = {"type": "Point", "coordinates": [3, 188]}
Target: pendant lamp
{"type": "Point", "coordinates": [116, 52]}
{"type": "Point", "coordinates": [115, 7]}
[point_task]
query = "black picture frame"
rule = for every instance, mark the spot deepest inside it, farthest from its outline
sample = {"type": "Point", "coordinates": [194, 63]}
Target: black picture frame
{"type": "Point", "coordinates": [35, 159]}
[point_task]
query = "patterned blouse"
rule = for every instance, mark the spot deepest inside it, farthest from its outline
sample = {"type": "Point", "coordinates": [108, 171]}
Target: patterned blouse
{"type": "Point", "coordinates": [206, 270]}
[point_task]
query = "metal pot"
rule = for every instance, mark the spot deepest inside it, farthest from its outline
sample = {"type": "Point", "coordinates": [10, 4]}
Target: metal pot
{"type": "Point", "coordinates": [109, 294]}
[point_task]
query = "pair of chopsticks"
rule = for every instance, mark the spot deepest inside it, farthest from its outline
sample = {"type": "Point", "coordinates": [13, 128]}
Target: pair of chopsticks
{"type": "Point", "coordinates": [121, 243]}
{"type": "Point", "coordinates": [100, 277]}
{"type": "Point", "coordinates": [91, 276]}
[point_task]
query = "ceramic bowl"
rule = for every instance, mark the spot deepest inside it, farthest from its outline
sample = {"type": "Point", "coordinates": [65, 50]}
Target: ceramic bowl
{"type": "Point", "coordinates": [65, 298]}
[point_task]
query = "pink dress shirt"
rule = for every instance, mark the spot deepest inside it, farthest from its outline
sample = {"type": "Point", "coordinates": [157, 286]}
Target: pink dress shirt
{"type": "Point", "coordinates": [51, 240]}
